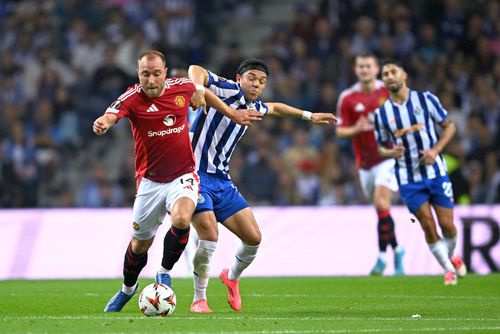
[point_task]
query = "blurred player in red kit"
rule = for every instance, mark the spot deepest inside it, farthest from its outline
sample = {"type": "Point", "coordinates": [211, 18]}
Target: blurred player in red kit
{"type": "Point", "coordinates": [355, 112]}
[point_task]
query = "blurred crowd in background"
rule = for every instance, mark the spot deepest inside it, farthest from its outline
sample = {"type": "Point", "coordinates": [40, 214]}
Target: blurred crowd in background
{"type": "Point", "coordinates": [63, 62]}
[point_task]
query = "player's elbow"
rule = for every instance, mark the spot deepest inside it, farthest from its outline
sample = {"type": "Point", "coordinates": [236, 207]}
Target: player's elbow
{"type": "Point", "coordinates": [452, 128]}
{"type": "Point", "coordinates": [196, 71]}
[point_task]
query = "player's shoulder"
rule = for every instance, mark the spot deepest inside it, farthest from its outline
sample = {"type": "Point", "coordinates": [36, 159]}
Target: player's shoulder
{"type": "Point", "coordinates": [428, 94]}
{"type": "Point", "coordinates": [380, 88]}
{"type": "Point", "coordinates": [351, 90]}
{"type": "Point", "coordinates": [387, 103]}
{"type": "Point", "coordinates": [221, 82]}
{"type": "Point", "coordinates": [261, 106]}
{"type": "Point", "coordinates": [348, 94]}
{"type": "Point", "coordinates": [130, 94]}
{"type": "Point", "coordinates": [178, 82]}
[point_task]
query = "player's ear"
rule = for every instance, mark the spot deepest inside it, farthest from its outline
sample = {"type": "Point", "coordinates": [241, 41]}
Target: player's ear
{"type": "Point", "coordinates": [238, 78]}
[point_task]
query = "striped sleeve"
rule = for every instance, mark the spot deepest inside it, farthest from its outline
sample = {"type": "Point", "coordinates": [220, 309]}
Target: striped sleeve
{"type": "Point", "coordinates": [262, 108]}
{"type": "Point", "coordinates": [221, 86]}
{"type": "Point", "coordinates": [436, 109]}
{"type": "Point", "coordinates": [343, 115]}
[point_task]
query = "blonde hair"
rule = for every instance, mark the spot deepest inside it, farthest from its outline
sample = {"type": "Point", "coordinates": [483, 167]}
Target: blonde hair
{"type": "Point", "coordinates": [153, 53]}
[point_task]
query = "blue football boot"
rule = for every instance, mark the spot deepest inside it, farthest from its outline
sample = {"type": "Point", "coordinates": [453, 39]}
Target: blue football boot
{"type": "Point", "coordinates": [379, 267]}
{"type": "Point", "coordinates": [164, 279]}
{"type": "Point", "coordinates": [399, 253]}
{"type": "Point", "coordinates": [119, 300]}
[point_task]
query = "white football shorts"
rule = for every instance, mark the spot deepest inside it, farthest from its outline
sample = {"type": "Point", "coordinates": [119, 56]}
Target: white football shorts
{"type": "Point", "coordinates": [382, 174]}
{"type": "Point", "coordinates": [153, 200]}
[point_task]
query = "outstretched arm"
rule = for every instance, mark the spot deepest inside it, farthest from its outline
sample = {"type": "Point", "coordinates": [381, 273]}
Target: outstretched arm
{"type": "Point", "coordinates": [284, 110]}
{"type": "Point", "coordinates": [103, 123]}
{"type": "Point", "coordinates": [241, 116]}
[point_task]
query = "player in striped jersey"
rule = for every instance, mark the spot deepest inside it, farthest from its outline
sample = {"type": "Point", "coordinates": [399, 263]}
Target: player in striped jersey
{"type": "Point", "coordinates": [408, 120]}
{"type": "Point", "coordinates": [214, 138]}
{"type": "Point", "coordinates": [376, 174]}
{"type": "Point", "coordinates": [164, 163]}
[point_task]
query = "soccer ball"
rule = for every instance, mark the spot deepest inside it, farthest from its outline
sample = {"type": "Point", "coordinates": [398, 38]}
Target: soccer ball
{"type": "Point", "coordinates": [157, 300]}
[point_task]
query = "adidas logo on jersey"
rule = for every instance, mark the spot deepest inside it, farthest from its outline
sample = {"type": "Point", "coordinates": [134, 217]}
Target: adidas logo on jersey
{"type": "Point", "coordinates": [359, 107]}
{"type": "Point", "coordinates": [152, 108]}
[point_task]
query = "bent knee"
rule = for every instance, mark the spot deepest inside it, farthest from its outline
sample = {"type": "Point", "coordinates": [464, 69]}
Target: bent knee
{"type": "Point", "coordinates": [140, 246]}
{"type": "Point", "coordinates": [381, 205]}
{"type": "Point", "coordinates": [208, 234]}
{"type": "Point", "coordinates": [448, 228]}
{"type": "Point", "coordinates": [181, 219]}
{"type": "Point", "coordinates": [207, 230]}
{"type": "Point", "coordinates": [253, 239]}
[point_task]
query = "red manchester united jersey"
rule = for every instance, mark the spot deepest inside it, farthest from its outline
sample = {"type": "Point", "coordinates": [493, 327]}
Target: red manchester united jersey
{"type": "Point", "coordinates": [160, 129]}
{"type": "Point", "coordinates": [354, 103]}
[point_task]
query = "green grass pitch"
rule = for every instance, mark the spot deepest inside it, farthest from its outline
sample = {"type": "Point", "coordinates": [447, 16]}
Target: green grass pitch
{"type": "Point", "coordinates": [270, 305]}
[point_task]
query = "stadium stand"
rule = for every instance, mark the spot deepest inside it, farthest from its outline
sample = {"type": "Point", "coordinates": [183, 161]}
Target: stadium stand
{"type": "Point", "coordinates": [63, 62]}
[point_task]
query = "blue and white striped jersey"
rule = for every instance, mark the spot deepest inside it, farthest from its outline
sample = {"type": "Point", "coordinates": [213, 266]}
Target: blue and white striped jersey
{"type": "Point", "coordinates": [214, 136]}
{"type": "Point", "coordinates": [413, 125]}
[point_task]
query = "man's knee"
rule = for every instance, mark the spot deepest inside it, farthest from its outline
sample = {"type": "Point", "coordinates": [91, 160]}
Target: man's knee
{"type": "Point", "coordinates": [181, 217]}
{"type": "Point", "coordinates": [208, 233]}
{"type": "Point", "coordinates": [429, 229]}
{"type": "Point", "coordinates": [253, 239]}
{"type": "Point", "coordinates": [381, 202]}
{"type": "Point", "coordinates": [140, 246]}
{"type": "Point", "coordinates": [206, 226]}
{"type": "Point", "coordinates": [448, 228]}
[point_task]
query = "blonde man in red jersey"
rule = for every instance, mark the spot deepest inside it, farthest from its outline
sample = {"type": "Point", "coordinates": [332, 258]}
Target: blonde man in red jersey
{"type": "Point", "coordinates": [355, 112]}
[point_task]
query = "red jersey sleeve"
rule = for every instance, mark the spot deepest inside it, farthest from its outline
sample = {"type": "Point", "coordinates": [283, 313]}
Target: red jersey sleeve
{"type": "Point", "coordinates": [343, 110]}
{"type": "Point", "coordinates": [120, 106]}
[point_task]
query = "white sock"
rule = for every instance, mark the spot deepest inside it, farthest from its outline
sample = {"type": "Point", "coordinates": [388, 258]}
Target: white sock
{"type": "Point", "coordinates": [382, 256]}
{"type": "Point", "coordinates": [128, 290]}
{"type": "Point", "coordinates": [440, 252]}
{"type": "Point", "coordinates": [451, 243]}
{"type": "Point", "coordinates": [163, 271]}
{"type": "Point", "coordinates": [245, 255]}
{"type": "Point", "coordinates": [201, 266]}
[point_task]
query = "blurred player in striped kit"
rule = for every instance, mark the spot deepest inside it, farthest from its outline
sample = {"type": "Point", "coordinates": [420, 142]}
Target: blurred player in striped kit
{"type": "Point", "coordinates": [355, 112]}
{"type": "Point", "coordinates": [408, 120]}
